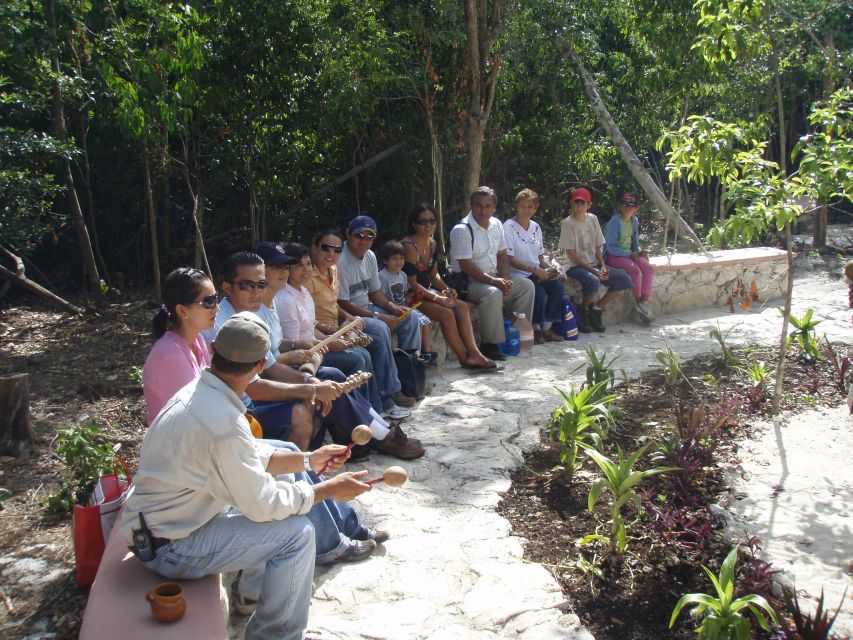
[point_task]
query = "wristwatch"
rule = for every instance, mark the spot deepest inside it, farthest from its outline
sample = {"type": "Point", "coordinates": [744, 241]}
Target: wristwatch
{"type": "Point", "coordinates": [376, 315]}
{"type": "Point", "coordinates": [306, 461]}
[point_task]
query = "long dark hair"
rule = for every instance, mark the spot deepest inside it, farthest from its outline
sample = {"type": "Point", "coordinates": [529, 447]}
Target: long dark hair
{"type": "Point", "coordinates": [415, 213]}
{"type": "Point", "coordinates": [182, 286]}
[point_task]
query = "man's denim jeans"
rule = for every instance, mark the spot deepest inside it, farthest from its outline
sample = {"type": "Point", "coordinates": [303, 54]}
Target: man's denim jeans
{"type": "Point", "coordinates": [281, 551]}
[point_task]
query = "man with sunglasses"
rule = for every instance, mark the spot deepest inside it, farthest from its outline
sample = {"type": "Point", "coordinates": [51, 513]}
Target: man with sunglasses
{"type": "Point", "coordinates": [361, 295]}
{"type": "Point", "coordinates": [478, 248]}
{"type": "Point", "coordinates": [583, 242]}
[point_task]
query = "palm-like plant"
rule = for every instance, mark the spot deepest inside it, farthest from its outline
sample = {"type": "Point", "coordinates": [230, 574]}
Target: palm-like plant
{"type": "Point", "coordinates": [758, 373]}
{"type": "Point", "coordinates": [804, 335]}
{"type": "Point", "coordinates": [620, 478]}
{"type": "Point", "coordinates": [583, 419]}
{"type": "Point", "coordinates": [723, 617]}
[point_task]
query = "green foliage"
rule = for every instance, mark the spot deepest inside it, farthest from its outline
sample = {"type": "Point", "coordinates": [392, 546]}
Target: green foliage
{"type": "Point", "coordinates": [728, 357]}
{"type": "Point", "coordinates": [136, 375]}
{"type": "Point", "coordinates": [804, 335]}
{"type": "Point", "coordinates": [723, 617]}
{"type": "Point", "coordinates": [826, 155]}
{"type": "Point", "coordinates": [758, 373]}
{"type": "Point", "coordinates": [584, 418]}
{"type": "Point", "coordinates": [599, 369]}
{"type": "Point", "coordinates": [672, 367]}
{"type": "Point", "coordinates": [620, 478]}
{"type": "Point", "coordinates": [85, 458]}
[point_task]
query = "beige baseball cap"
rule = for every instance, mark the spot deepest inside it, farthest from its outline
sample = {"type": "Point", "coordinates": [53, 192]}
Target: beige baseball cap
{"type": "Point", "coordinates": [243, 338]}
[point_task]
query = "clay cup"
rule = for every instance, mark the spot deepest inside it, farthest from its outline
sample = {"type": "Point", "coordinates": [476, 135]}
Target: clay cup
{"type": "Point", "coordinates": [167, 602]}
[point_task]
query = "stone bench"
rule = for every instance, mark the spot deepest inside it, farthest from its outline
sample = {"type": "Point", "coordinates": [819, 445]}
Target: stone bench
{"type": "Point", "coordinates": [117, 607]}
{"type": "Point", "coordinates": [725, 278]}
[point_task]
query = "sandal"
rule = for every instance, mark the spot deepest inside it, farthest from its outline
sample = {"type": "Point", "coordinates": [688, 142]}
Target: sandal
{"type": "Point", "coordinates": [490, 366]}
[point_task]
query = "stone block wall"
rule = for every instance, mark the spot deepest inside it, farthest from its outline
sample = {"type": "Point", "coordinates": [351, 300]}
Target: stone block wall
{"type": "Point", "coordinates": [729, 278]}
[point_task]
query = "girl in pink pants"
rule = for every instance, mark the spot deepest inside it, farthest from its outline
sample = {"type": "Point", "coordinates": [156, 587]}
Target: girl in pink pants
{"type": "Point", "coordinates": [622, 250]}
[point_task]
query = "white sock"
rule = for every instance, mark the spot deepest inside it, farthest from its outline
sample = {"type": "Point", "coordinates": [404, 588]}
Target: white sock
{"type": "Point", "coordinates": [546, 326]}
{"type": "Point", "coordinates": [378, 428]}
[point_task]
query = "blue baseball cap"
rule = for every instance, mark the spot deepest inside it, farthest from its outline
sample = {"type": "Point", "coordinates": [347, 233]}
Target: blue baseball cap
{"type": "Point", "coordinates": [360, 224]}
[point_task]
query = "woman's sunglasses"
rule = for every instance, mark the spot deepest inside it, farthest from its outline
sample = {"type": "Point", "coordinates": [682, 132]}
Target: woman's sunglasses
{"type": "Point", "coordinates": [208, 302]}
{"type": "Point", "coordinates": [337, 248]}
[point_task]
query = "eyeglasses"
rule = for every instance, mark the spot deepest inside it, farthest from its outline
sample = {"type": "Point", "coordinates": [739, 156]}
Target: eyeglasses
{"type": "Point", "coordinates": [365, 236]}
{"type": "Point", "coordinates": [336, 248]}
{"type": "Point", "coordinates": [629, 203]}
{"type": "Point", "coordinates": [251, 285]}
{"type": "Point", "coordinates": [426, 221]}
{"type": "Point", "coordinates": [208, 302]}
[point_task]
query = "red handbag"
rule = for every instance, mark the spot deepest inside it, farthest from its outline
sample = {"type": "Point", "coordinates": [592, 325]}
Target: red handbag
{"type": "Point", "coordinates": [91, 524]}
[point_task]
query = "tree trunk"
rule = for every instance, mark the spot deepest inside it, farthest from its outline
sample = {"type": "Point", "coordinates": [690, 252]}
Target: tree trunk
{"type": "Point", "coordinates": [152, 224]}
{"type": "Point", "coordinates": [482, 65]}
{"type": "Point", "coordinates": [641, 175]}
{"type": "Point", "coordinates": [93, 280]}
{"type": "Point", "coordinates": [165, 194]}
{"type": "Point", "coordinates": [821, 216]}
{"type": "Point", "coordinates": [86, 172]}
{"type": "Point", "coordinates": [783, 165]}
{"type": "Point", "coordinates": [16, 432]}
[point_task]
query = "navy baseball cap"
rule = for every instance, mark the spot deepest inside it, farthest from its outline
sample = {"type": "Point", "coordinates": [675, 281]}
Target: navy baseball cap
{"type": "Point", "coordinates": [273, 254]}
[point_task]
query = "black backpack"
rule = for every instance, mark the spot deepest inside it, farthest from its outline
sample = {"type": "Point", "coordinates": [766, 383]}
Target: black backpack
{"type": "Point", "coordinates": [412, 375]}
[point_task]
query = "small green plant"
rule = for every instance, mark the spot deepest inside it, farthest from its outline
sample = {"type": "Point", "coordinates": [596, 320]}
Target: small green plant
{"type": "Point", "coordinates": [584, 418]}
{"type": "Point", "coordinates": [804, 335]}
{"type": "Point", "coordinates": [620, 478]}
{"type": "Point", "coordinates": [672, 367]}
{"type": "Point", "coordinates": [136, 375]}
{"type": "Point", "coordinates": [599, 369]}
{"type": "Point", "coordinates": [85, 460]}
{"type": "Point", "coordinates": [811, 626]}
{"type": "Point", "coordinates": [723, 617]}
{"type": "Point", "coordinates": [758, 373]}
{"type": "Point", "coordinates": [843, 365]}
{"type": "Point", "coordinates": [719, 336]}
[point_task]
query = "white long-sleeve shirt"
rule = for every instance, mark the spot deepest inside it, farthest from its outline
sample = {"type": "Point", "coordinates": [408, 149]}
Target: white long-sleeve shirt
{"type": "Point", "coordinates": [199, 459]}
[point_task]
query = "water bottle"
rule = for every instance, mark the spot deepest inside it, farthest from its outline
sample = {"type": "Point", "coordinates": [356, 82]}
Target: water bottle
{"type": "Point", "coordinates": [512, 345]}
{"type": "Point", "coordinates": [525, 330]}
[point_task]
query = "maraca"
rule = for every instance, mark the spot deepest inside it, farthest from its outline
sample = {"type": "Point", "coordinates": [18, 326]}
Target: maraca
{"type": "Point", "coordinates": [360, 435]}
{"type": "Point", "coordinates": [393, 477]}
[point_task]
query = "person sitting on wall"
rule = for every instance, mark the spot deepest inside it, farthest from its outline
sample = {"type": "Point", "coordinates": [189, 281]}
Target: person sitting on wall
{"type": "Point", "coordinates": [582, 241]}
{"type": "Point", "coordinates": [478, 249]}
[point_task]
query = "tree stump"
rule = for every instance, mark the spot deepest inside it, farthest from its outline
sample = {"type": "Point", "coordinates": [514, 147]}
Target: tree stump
{"type": "Point", "coordinates": [16, 432]}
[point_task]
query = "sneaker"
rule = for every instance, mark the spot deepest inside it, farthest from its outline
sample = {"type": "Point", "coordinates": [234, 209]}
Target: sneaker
{"type": "Point", "coordinates": [538, 337]}
{"type": "Point", "coordinates": [647, 307]}
{"type": "Point", "coordinates": [403, 400]}
{"type": "Point", "coordinates": [395, 413]}
{"type": "Point", "coordinates": [358, 550]}
{"type": "Point", "coordinates": [428, 359]}
{"type": "Point", "coordinates": [552, 336]}
{"type": "Point", "coordinates": [595, 320]}
{"type": "Point", "coordinates": [399, 445]}
{"type": "Point", "coordinates": [645, 318]}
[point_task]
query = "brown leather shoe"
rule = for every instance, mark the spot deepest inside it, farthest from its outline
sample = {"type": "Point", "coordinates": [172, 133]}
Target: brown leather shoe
{"type": "Point", "coordinates": [399, 445]}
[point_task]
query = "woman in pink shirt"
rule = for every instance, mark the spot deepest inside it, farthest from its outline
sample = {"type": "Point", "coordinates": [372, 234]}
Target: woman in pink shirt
{"type": "Point", "coordinates": [180, 354]}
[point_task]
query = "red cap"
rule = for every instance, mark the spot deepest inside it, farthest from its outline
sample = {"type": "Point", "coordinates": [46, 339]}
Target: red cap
{"type": "Point", "coordinates": [581, 194]}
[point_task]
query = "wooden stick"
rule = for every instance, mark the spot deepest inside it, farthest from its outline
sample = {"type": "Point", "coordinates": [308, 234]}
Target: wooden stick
{"type": "Point", "coordinates": [337, 334]}
{"type": "Point", "coordinates": [409, 310]}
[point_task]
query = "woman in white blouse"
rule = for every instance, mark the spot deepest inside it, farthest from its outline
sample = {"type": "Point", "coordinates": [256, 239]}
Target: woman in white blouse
{"type": "Point", "coordinates": [526, 252]}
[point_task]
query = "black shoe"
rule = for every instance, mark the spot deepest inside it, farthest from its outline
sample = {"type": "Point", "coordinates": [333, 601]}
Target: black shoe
{"type": "Point", "coordinates": [582, 316]}
{"type": "Point", "coordinates": [358, 550]}
{"type": "Point", "coordinates": [365, 533]}
{"type": "Point", "coordinates": [491, 351]}
{"type": "Point", "coordinates": [595, 320]}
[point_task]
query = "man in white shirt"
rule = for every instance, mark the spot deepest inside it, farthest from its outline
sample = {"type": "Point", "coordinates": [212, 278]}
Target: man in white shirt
{"type": "Point", "coordinates": [209, 498]}
{"type": "Point", "coordinates": [478, 249]}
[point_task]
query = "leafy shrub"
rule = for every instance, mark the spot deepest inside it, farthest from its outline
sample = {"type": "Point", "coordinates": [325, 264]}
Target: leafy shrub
{"type": "Point", "coordinates": [810, 626]}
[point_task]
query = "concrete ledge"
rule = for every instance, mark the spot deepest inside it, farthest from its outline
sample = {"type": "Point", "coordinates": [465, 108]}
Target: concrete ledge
{"type": "Point", "coordinates": [117, 607]}
{"type": "Point", "coordinates": [714, 259]}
